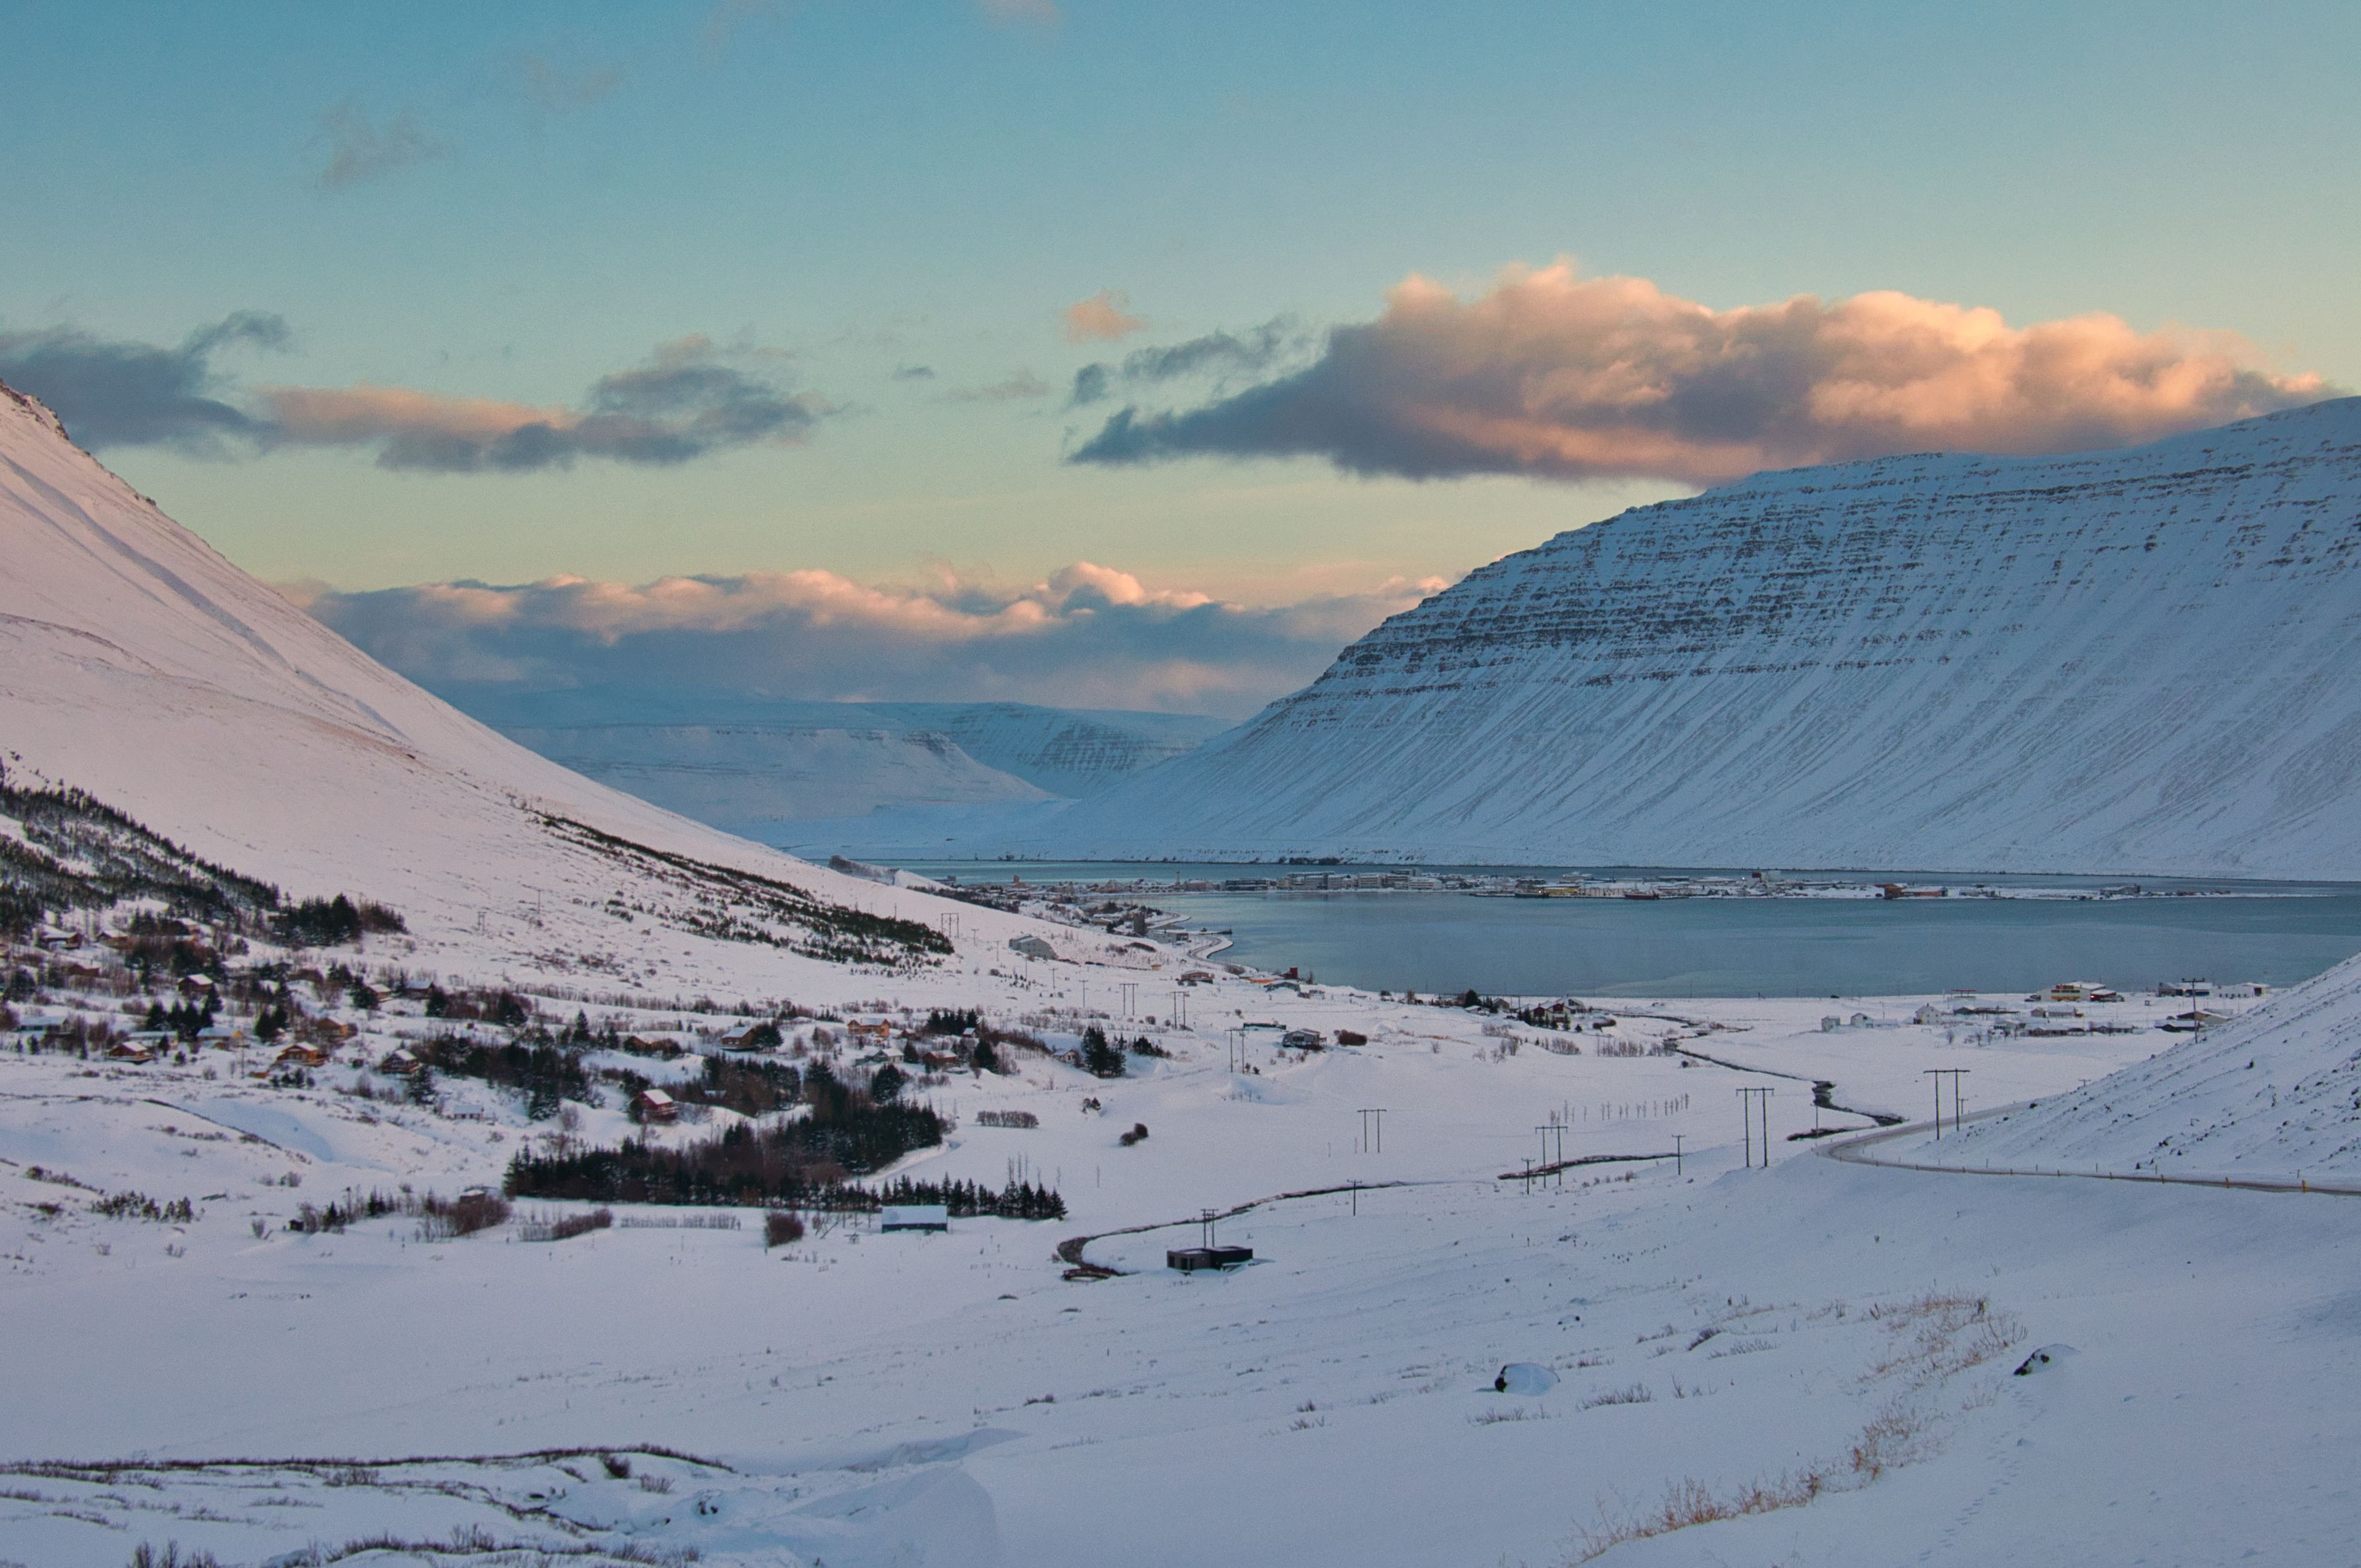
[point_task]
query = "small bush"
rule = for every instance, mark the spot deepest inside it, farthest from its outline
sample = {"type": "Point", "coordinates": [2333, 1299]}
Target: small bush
{"type": "Point", "coordinates": [146, 1556]}
{"type": "Point", "coordinates": [619, 1467]}
{"type": "Point", "coordinates": [1138, 1134]}
{"type": "Point", "coordinates": [1637, 1394]}
{"type": "Point", "coordinates": [443, 1219]}
{"type": "Point", "coordinates": [562, 1227]}
{"type": "Point", "coordinates": [781, 1229]}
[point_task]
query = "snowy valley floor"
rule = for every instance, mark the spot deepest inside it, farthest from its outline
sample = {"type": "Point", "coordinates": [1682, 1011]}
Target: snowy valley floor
{"type": "Point", "coordinates": [1828, 1336]}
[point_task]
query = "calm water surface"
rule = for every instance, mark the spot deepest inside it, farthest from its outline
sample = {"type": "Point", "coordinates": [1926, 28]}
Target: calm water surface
{"type": "Point", "coordinates": [1730, 947]}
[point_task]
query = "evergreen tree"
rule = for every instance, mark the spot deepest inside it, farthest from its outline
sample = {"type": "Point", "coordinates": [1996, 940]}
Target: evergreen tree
{"type": "Point", "coordinates": [1100, 1059]}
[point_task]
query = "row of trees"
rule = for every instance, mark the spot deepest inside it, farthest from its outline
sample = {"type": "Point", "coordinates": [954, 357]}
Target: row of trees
{"type": "Point", "coordinates": [796, 1164]}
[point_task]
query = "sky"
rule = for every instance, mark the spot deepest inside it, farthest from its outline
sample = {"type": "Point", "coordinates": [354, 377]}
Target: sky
{"type": "Point", "coordinates": [1116, 354]}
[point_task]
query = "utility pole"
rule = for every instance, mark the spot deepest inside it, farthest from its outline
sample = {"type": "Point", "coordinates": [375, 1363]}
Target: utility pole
{"type": "Point", "coordinates": [1750, 1108]}
{"type": "Point", "coordinates": [1676, 1152]}
{"type": "Point", "coordinates": [1378, 1112]}
{"type": "Point", "coordinates": [1954, 1074]}
{"type": "Point", "coordinates": [1549, 1129]}
{"type": "Point", "coordinates": [1130, 995]}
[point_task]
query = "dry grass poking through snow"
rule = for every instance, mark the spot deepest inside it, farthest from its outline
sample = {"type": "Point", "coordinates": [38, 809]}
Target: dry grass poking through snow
{"type": "Point", "coordinates": [1940, 1334]}
{"type": "Point", "coordinates": [1930, 1339]}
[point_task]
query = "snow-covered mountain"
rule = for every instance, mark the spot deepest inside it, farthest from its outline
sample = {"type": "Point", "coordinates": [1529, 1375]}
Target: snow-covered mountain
{"type": "Point", "coordinates": [138, 665]}
{"type": "Point", "coordinates": [1067, 751]}
{"type": "Point", "coordinates": [2138, 661]}
{"type": "Point", "coordinates": [753, 765]}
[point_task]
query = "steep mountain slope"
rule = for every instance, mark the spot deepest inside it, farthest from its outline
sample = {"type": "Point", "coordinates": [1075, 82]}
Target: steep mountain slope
{"type": "Point", "coordinates": [138, 666]}
{"type": "Point", "coordinates": [2134, 661]}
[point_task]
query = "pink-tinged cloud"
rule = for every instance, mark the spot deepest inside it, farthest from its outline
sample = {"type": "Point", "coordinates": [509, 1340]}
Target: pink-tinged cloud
{"type": "Point", "coordinates": [684, 403]}
{"type": "Point", "coordinates": [689, 398]}
{"type": "Point", "coordinates": [1099, 319]}
{"type": "Point", "coordinates": [1088, 636]}
{"type": "Point", "coordinates": [1568, 377]}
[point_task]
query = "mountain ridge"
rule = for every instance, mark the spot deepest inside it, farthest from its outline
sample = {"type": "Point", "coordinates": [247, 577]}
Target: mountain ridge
{"type": "Point", "coordinates": [2116, 662]}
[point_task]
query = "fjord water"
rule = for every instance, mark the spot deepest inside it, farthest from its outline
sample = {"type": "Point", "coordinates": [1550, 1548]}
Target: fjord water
{"type": "Point", "coordinates": [2275, 933]}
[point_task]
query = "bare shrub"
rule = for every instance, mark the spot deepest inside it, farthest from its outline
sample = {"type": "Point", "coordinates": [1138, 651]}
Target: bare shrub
{"type": "Point", "coordinates": [146, 1556]}
{"type": "Point", "coordinates": [619, 1466]}
{"type": "Point", "coordinates": [1637, 1394]}
{"type": "Point", "coordinates": [556, 1227]}
{"type": "Point", "coordinates": [780, 1228]}
{"type": "Point", "coordinates": [441, 1218]}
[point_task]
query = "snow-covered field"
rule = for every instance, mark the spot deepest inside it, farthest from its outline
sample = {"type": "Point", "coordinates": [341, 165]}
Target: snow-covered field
{"type": "Point", "coordinates": [1813, 1331]}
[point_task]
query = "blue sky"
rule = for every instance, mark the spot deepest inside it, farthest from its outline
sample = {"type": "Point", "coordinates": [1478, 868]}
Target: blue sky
{"type": "Point", "coordinates": [517, 204]}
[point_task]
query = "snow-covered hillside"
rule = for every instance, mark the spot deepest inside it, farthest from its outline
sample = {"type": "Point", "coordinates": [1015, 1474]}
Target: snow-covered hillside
{"type": "Point", "coordinates": [135, 664]}
{"type": "Point", "coordinates": [2274, 1094]}
{"type": "Point", "coordinates": [2134, 661]}
{"type": "Point", "coordinates": [752, 764]}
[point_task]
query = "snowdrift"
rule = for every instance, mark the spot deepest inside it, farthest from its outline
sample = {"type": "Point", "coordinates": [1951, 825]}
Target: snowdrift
{"type": "Point", "coordinates": [2120, 662]}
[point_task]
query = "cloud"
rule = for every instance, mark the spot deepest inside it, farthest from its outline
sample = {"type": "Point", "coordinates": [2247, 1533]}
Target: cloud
{"type": "Point", "coordinates": [689, 399]}
{"type": "Point", "coordinates": [358, 151]}
{"type": "Point", "coordinates": [1100, 318]}
{"type": "Point", "coordinates": [554, 91]}
{"type": "Point", "coordinates": [1217, 353]}
{"type": "Point", "coordinates": [1009, 13]}
{"type": "Point", "coordinates": [684, 403]}
{"type": "Point", "coordinates": [1567, 378]}
{"type": "Point", "coordinates": [1088, 636]}
{"type": "Point", "coordinates": [114, 393]}
{"type": "Point", "coordinates": [914, 372]}
{"type": "Point", "coordinates": [1022, 385]}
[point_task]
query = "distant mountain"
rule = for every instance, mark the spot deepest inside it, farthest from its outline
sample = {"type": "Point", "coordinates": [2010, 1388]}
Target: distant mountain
{"type": "Point", "coordinates": [753, 765]}
{"type": "Point", "coordinates": [2132, 661]}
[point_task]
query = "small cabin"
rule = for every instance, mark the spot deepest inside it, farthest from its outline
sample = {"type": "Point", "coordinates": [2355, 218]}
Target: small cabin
{"type": "Point", "coordinates": [399, 1062]}
{"type": "Point", "coordinates": [914, 1217]}
{"type": "Point", "coordinates": [1031, 947]}
{"type": "Point", "coordinates": [130, 1051]}
{"type": "Point", "coordinates": [303, 1055]}
{"type": "Point", "coordinates": [656, 1106]}
{"type": "Point", "coordinates": [1191, 1259]}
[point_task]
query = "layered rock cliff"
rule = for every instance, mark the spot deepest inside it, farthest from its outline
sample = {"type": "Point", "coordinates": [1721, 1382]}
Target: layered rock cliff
{"type": "Point", "coordinates": [2146, 660]}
